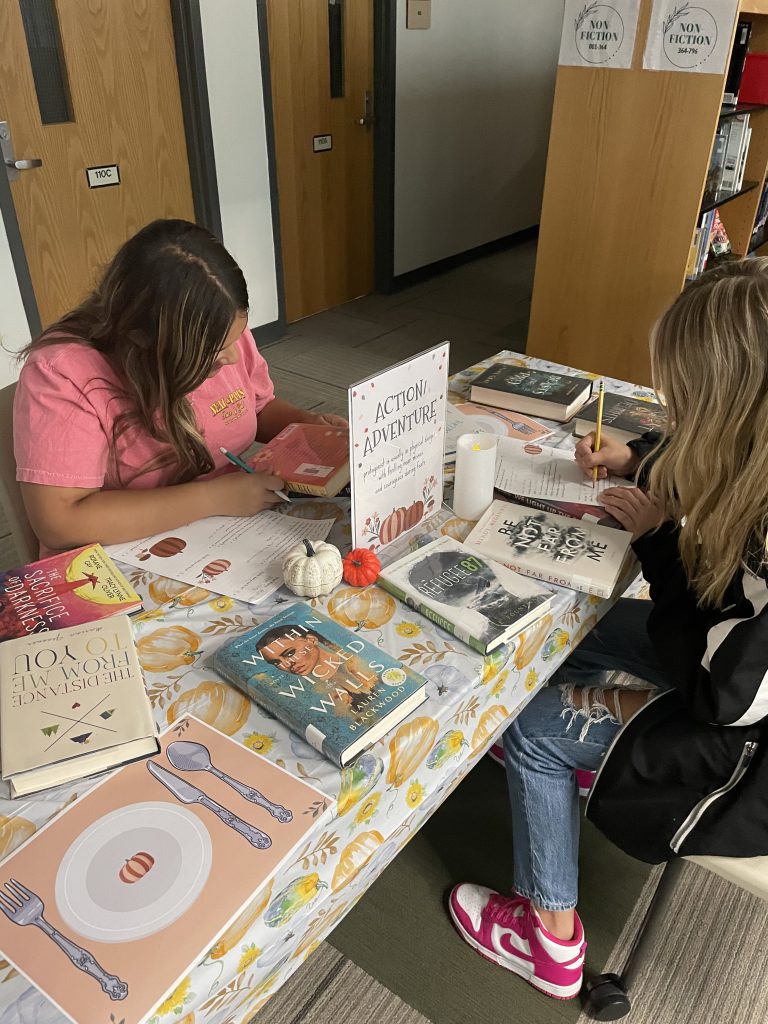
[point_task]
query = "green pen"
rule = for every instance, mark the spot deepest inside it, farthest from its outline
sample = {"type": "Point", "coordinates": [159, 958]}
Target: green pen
{"type": "Point", "coordinates": [237, 461]}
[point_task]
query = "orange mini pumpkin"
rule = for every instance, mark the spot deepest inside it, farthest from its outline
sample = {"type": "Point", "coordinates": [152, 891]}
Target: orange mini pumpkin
{"type": "Point", "coordinates": [361, 567]}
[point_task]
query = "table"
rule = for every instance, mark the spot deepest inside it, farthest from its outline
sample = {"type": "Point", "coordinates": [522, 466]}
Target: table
{"type": "Point", "coordinates": [382, 801]}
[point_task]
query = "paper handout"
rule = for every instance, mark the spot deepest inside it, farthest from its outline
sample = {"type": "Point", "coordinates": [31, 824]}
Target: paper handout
{"type": "Point", "coordinates": [535, 471]}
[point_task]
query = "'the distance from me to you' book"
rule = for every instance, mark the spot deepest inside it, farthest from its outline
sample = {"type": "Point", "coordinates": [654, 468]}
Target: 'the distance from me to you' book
{"type": "Point", "coordinates": [579, 555]}
{"type": "Point", "coordinates": [555, 396]}
{"type": "Point", "coordinates": [478, 600]}
{"type": "Point", "coordinates": [321, 680]}
{"type": "Point", "coordinates": [66, 589]}
{"type": "Point", "coordinates": [72, 703]}
{"type": "Point", "coordinates": [312, 458]}
{"type": "Point", "coordinates": [624, 418]}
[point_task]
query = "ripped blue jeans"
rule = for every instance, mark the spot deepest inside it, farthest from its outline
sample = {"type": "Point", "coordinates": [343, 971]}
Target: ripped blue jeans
{"type": "Point", "coordinates": [553, 736]}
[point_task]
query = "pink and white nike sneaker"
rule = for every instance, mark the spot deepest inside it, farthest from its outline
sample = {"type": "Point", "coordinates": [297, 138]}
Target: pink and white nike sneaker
{"type": "Point", "coordinates": [507, 931]}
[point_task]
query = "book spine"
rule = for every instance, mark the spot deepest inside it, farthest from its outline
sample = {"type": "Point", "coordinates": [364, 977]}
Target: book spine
{"type": "Point", "coordinates": [433, 616]}
{"type": "Point", "coordinates": [553, 507]}
{"type": "Point", "coordinates": [309, 732]}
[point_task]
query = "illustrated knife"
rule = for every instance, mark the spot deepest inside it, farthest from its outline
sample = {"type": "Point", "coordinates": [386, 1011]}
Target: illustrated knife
{"type": "Point", "coordinates": [189, 794]}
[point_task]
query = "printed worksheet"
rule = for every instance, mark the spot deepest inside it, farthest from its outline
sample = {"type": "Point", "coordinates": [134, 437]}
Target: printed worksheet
{"type": "Point", "coordinates": [536, 471]}
{"type": "Point", "coordinates": [241, 557]}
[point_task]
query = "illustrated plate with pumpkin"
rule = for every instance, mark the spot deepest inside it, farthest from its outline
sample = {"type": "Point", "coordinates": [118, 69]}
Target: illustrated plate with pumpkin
{"type": "Point", "coordinates": [135, 876]}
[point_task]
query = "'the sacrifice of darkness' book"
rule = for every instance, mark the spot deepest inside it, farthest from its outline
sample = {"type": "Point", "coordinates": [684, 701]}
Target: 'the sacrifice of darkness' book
{"type": "Point", "coordinates": [478, 600]}
{"type": "Point", "coordinates": [66, 589]}
{"type": "Point", "coordinates": [325, 682]}
{"type": "Point", "coordinates": [579, 555]}
{"type": "Point", "coordinates": [72, 703]}
{"type": "Point", "coordinates": [555, 396]}
{"type": "Point", "coordinates": [312, 458]}
{"type": "Point", "coordinates": [623, 417]}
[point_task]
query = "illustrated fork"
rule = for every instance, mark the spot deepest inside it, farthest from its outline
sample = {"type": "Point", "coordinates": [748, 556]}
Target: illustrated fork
{"type": "Point", "coordinates": [22, 906]}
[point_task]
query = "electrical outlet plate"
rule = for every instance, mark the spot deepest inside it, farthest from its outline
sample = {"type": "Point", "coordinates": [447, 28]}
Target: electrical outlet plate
{"type": "Point", "coordinates": [418, 14]}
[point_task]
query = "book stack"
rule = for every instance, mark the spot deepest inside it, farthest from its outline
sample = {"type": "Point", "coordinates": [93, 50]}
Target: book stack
{"type": "Point", "coordinates": [624, 418]}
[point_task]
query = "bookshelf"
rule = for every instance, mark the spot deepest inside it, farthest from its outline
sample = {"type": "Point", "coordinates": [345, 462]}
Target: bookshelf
{"type": "Point", "coordinates": [627, 165]}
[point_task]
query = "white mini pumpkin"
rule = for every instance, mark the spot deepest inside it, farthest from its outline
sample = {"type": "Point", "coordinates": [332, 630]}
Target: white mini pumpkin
{"type": "Point", "coordinates": [312, 570]}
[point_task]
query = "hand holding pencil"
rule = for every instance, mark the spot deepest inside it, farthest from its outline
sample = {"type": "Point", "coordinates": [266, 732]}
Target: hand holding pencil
{"type": "Point", "coordinates": [597, 454]}
{"type": "Point", "coordinates": [598, 427]}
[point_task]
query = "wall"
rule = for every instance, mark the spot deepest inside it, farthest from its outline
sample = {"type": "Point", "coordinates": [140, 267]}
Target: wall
{"type": "Point", "coordinates": [473, 105]}
{"type": "Point", "coordinates": [14, 332]}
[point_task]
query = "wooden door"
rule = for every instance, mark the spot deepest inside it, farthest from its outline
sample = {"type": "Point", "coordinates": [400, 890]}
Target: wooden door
{"type": "Point", "coordinates": [325, 197]}
{"type": "Point", "coordinates": [118, 59]}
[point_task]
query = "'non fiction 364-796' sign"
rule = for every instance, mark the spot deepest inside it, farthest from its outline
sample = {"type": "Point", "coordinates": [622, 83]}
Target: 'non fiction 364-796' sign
{"type": "Point", "coordinates": [693, 36]}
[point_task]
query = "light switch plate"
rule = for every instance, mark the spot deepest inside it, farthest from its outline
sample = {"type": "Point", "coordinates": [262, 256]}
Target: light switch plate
{"type": "Point", "coordinates": [418, 14]}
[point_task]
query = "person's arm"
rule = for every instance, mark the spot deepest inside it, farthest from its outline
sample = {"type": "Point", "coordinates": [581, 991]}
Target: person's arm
{"type": "Point", "coordinates": [68, 517]}
{"type": "Point", "coordinates": [716, 659]}
{"type": "Point", "coordinates": [278, 414]}
{"type": "Point", "coordinates": [613, 456]}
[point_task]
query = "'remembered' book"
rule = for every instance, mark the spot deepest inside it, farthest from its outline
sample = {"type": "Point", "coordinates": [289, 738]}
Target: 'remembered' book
{"type": "Point", "coordinates": [477, 599]}
{"type": "Point", "coordinates": [624, 418]}
{"type": "Point", "coordinates": [321, 680]}
{"type": "Point", "coordinates": [556, 396]}
{"type": "Point", "coordinates": [66, 589]}
{"type": "Point", "coordinates": [312, 458]}
{"type": "Point", "coordinates": [579, 555]}
{"type": "Point", "coordinates": [72, 703]}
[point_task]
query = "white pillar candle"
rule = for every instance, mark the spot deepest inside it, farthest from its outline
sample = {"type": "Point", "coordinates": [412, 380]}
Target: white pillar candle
{"type": "Point", "coordinates": [475, 474]}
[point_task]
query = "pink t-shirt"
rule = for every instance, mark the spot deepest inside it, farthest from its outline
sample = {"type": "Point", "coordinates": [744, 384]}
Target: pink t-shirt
{"type": "Point", "coordinates": [65, 406]}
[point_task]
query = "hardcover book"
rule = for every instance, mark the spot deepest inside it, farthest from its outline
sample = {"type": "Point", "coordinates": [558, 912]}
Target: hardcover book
{"type": "Point", "coordinates": [624, 418]}
{"type": "Point", "coordinates": [312, 458]}
{"type": "Point", "coordinates": [321, 680]}
{"type": "Point", "coordinates": [569, 509]}
{"type": "Point", "coordinates": [72, 703]}
{"type": "Point", "coordinates": [479, 600]}
{"type": "Point", "coordinates": [555, 396]}
{"type": "Point", "coordinates": [578, 555]}
{"type": "Point", "coordinates": [67, 589]}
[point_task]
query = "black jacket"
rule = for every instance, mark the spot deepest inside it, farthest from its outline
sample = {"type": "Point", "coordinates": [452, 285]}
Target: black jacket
{"type": "Point", "coordinates": [688, 774]}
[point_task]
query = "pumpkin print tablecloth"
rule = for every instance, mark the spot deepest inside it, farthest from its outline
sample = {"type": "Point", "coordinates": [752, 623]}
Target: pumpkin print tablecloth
{"type": "Point", "coordinates": [383, 798]}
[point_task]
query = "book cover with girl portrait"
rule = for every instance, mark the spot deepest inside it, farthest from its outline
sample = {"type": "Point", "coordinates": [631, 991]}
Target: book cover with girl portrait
{"type": "Point", "coordinates": [321, 680]}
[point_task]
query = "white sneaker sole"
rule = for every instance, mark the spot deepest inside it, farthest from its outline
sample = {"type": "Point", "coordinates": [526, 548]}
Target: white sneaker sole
{"type": "Point", "coordinates": [523, 970]}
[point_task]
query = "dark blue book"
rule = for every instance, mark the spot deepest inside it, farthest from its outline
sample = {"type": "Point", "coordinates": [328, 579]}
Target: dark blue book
{"type": "Point", "coordinates": [556, 396]}
{"type": "Point", "coordinates": [321, 680]}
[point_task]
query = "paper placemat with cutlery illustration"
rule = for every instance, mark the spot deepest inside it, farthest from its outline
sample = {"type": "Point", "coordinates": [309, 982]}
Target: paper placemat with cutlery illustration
{"type": "Point", "coordinates": [124, 886]}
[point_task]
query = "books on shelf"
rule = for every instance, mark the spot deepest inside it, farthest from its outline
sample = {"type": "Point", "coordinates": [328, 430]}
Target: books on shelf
{"type": "Point", "coordinates": [736, 63]}
{"type": "Point", "coordinates": [476, 599]}
{"type": "Point", "coordinates": [72, 704]}
{"type": "Point", "coordinates": [321, 680]}
{"type": "Point", "coordinates": [67, 589]}
{"type": "Point", "coordinates": [312, 458]}
{"type": "Point", "coordinates": [554, 396]}
{"type": "Point", "coordinates": [734, 161]}
{"type": "Point", "coordinates": [579, 555]}
{"type": "Point", "coordinates": [624, 418]}
{"type": "Point", "coordinates": [697, 261]}
{"type": "Point", "coordinates": [719, 242]}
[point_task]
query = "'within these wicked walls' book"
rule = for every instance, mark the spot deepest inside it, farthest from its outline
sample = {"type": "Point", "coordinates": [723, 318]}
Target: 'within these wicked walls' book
{"type": "Point", "coordinates": [323, 681]}
{"type": "Point", "coordinates": [72, 703]}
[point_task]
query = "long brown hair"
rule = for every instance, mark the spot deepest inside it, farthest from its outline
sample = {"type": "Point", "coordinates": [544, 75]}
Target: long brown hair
{"type": "Point", "coordinates": [160, 315]}
{"type": "Point", "coordinates": [709, 356]}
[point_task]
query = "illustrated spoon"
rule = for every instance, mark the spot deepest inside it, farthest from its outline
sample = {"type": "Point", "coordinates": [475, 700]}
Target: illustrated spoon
{"type": "Point", "coordinates": [194, 757]}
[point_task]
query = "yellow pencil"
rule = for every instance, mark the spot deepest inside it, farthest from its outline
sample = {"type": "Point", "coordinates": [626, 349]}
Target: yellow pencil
{"type": "Point", "coordinates": [598, 428]}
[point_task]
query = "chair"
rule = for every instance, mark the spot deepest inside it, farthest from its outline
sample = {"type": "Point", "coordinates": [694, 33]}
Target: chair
{"type": "Point", "coordinates": [11, 504]}
{"type": "Point", "coordinates": [605, 996]}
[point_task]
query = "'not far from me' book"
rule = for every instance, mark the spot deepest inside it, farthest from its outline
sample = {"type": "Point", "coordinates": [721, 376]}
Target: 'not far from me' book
{"type": "Point", "coordinates": [321, 680]}
{"type": "Point", "coordinates": [479, 600]}
{"type": "Point", "coordinates": [67, 589]}
{"type": "Point", "coordinates": [72, 703]}
{"type": "Point", "coordinates": [624, 418]}
{"type": "Point", "coordinates": [555, 396]}
{"type": "Point", "coordinates": [570, 553]}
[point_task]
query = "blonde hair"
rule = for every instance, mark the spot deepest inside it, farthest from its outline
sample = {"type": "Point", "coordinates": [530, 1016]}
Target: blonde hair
{"type": "Point", "coordinates": [709, 358]}
{"type": "Point", "coordinates": [159, 316]}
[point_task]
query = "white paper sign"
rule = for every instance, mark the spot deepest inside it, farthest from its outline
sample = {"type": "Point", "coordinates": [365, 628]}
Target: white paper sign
{"type": "Point", "coordinates": [536, 471]}
{"type": "Point", "coordinates": [241, 557]}
{"type": "Point", "coordinates": [690, 36]}
{"type": "Point", "coordinates": [599, 34]}
{"type": "Point", "coordinates": [396, 438]}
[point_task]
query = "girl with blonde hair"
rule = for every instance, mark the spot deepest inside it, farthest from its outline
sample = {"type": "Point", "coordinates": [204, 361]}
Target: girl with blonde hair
{"type": "Point", "coordinates": [123, 405]}
{"type": "Point", "coordinates": [666, 699]}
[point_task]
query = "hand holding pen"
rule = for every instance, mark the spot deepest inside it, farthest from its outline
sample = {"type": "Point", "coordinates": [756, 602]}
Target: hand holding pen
{"type": "Point", "coordinates": [241, 464]}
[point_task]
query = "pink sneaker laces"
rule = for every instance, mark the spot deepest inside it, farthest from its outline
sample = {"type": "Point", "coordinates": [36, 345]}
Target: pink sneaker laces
{"type": "Point", "coordinates": [505, 910]}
